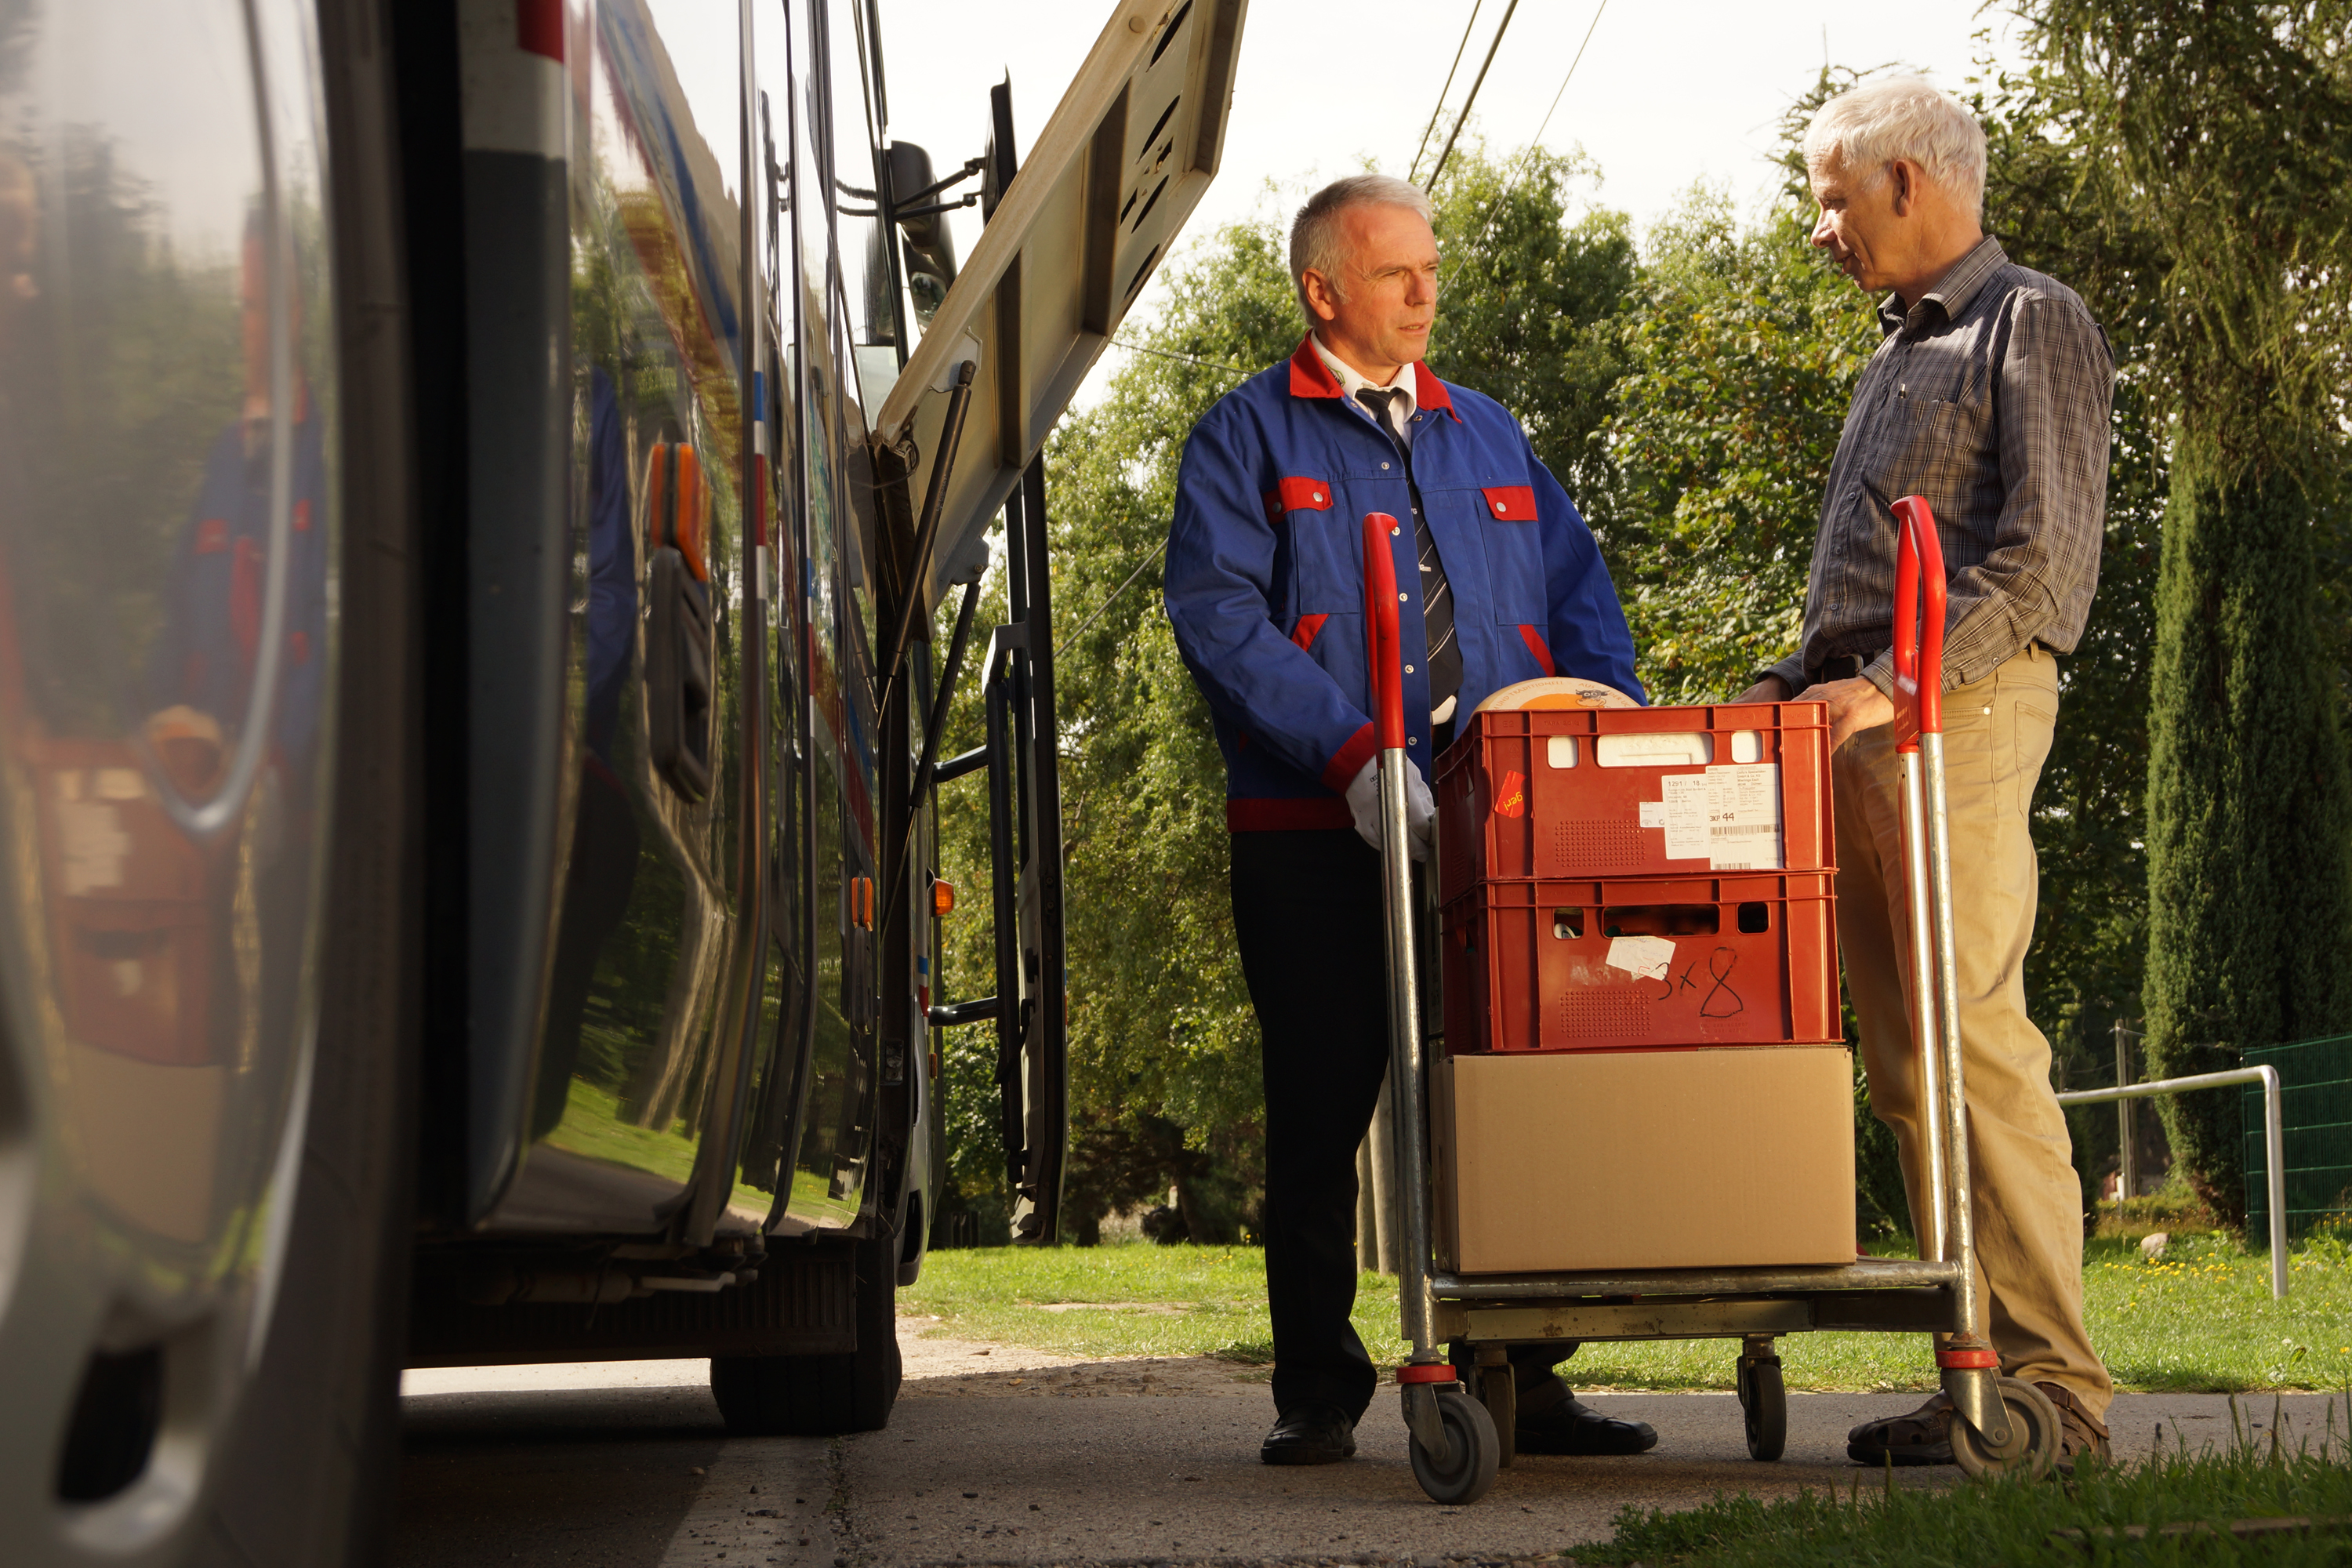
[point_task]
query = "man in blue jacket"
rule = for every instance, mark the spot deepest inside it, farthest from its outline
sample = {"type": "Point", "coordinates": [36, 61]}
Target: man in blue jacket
{"type": "Point", "coordinates": [1266, 591]}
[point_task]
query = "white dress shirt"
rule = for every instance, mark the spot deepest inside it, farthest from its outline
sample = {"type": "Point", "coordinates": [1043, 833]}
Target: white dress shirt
{"type": "Point", "coordinates": [1401, 408]}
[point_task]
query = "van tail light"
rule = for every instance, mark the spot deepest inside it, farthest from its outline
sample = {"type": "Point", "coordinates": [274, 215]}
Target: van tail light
{"type": "Point", "coordinates": [942, 897]}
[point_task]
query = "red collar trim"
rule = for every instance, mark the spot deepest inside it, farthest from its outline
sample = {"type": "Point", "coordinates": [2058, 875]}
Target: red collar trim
{"type": "Point", "coordinates": [1428, 392]}
{"type": "Point", "coordinates": [1309, 377]}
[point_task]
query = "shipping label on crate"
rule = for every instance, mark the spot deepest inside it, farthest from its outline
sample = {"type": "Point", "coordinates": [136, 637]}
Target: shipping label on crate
{"type": "Point", "coordinates": [1684, 814]}
{"type": "Point", "coordinates": [1743, 817]}
{"type": "Point", "coordinates": [1729, 814]}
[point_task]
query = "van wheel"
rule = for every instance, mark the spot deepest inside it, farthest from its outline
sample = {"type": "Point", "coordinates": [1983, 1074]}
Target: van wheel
{"type": "Point", "coordinates": [823, 1395]}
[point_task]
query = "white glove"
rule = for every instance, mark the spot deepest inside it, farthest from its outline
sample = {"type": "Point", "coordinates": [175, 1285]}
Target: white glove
{"type": "Point", "coordinates": [1420, 807]}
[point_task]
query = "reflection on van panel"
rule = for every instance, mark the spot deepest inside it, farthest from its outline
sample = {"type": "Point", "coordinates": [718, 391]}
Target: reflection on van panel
{"type": "Point", "coordinates": [456, 870]}
{"type": "Point", "coordinates": [646, 923]}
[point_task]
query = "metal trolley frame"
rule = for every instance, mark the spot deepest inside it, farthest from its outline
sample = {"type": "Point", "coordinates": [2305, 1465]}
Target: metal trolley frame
{"type": "Point", "coordinates": [1460, 1437]}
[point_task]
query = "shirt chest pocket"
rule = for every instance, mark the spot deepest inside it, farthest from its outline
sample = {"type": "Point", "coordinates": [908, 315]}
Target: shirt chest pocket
{"type": "Point", "coordinates": [1504, 521]}
{"type": "Point", "coordinates": [1936, 445]}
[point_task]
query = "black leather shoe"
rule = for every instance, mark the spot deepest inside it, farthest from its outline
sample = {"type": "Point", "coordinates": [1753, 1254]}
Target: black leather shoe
{"type": "Point", "coordinates": [1310, 1434]}
{"type": "Point", "coordinates": [1572, 1427]}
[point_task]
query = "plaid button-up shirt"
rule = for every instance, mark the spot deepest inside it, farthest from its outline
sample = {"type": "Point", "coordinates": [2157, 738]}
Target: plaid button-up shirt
{"type": "Point", "coordinates": [1989, 399]}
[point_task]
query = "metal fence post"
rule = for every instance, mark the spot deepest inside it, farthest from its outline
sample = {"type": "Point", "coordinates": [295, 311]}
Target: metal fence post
{"type": "Point", "coordinates": [2127, 1146]}
{"type": "Point", "coordinates": [2275, 1157]}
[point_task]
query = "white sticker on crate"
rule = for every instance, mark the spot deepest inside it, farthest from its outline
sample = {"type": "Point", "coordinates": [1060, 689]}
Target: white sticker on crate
{"type": "Point", "coordinates": [1684, 810]}
{"type": "Point", "coordinates": [1654, 813]}
{"type": "Point", "coordinates": [1743, 817]}
{"type": "Point", "coordinates": [1645, 957]}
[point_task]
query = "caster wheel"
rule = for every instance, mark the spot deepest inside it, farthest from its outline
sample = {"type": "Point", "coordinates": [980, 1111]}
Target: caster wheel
{"type": "Point", "coordinates": [2033, 1446]}
{"type": "Point", "coordinates": [1464, 1472]}
{"type": "Point", "coordinates": [1498, 1391]}
{"type": "Point", "coordinates": [1765, 1404]}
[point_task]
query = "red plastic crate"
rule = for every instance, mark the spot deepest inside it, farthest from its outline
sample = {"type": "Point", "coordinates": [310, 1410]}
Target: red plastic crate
{"type": "Point", "coordinates": [1548, 794]}
{"type": "Point", "coordinates": [1643, 963]}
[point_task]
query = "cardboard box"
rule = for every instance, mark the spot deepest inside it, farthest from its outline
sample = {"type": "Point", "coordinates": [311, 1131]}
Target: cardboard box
{"type": "Point", "coordinates": [1684, 1159]}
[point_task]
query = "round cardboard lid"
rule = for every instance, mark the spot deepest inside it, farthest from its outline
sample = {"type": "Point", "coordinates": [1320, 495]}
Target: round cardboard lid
{"type": "Point", "coordinates": [1557, 691]}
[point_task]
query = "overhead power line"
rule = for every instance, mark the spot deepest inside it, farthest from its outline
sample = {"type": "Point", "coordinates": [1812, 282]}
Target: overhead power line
{"type": "Point", "coordinates": [1187, 358]}
{"type": "Point", "coordinates": [1115, 593]}
{"type": "Point", "coordinates": [1439, 106]}
{"type": "Point", "coordinates": [1535, 144]}
{"type": "Point", "coordinates": [1537, 140]}
{"type": "Point", "coordinates": [1464, 118]}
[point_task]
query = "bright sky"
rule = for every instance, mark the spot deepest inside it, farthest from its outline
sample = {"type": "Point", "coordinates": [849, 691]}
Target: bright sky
{"type": "Point", "coordinates": [1669, 92]}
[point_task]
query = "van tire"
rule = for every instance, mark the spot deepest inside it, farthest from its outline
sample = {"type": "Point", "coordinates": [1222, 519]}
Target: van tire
{"type": "Point", "coordinates": [823, 1395]}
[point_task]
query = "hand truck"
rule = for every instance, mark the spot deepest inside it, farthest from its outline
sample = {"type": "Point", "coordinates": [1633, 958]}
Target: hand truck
{"type": "Point", "coordinates": [1458, 1442]}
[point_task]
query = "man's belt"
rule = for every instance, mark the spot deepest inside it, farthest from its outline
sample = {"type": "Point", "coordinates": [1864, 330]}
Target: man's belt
{"type": "Point", "coordinates": [1845, 666]}
{"type": "Point", "coordinates": [1850, 666]}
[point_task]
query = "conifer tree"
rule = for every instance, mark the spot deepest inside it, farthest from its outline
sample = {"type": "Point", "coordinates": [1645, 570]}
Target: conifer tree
{"type": "Point", "coordinates": [2232, 126]}
{"type": "Point", "coordinates": [2250, 809]}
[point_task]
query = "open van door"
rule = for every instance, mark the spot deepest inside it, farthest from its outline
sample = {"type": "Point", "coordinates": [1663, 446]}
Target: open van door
{"type": "Point", "coordinates": [1071, 237]}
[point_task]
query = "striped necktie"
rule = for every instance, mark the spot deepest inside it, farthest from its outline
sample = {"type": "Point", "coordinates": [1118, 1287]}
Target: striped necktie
{"type": "Point", "coordinates": [1436, 595]}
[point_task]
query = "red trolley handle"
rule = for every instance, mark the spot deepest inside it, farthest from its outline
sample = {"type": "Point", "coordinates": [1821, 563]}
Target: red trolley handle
{"type": "Point", "coordinates": [1380, 598]}
{"type": "Point", "coordinates": [1918, 625]}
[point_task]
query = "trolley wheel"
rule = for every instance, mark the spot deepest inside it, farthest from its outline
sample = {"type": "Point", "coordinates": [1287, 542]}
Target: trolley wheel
{"type": "Point", "coordinates": [1764, 1403]}
{"type": "Point", "coordinates": [1498, 1391]}
{"type": "Point", "coordinates": [1464, 1472]}
{"type": "Point", "coordinates": [2032, 1445]}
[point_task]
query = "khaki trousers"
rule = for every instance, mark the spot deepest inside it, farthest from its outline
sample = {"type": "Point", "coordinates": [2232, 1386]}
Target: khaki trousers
{"type": "Point", "coordinates": [2029, 1219]}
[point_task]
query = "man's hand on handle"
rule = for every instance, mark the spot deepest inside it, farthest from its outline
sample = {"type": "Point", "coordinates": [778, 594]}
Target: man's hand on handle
{"type": "Point", "coordinates": [1420, 807]}
{"type": "Point", "coordinates": [1854, 705]}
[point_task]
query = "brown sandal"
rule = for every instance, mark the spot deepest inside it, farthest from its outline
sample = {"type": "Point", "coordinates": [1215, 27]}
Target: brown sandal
{"type": "Point", "coordinates": [1921, 1437]}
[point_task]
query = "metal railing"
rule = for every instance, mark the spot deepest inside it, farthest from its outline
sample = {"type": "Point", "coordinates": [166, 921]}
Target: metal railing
{"type": "Point", "coordinates": [2274, 1138]}
{"type": "Point", "coordinates": [2126, 1143]}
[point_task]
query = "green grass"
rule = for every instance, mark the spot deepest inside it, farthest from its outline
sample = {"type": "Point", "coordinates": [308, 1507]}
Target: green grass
{"type": "Point", "coordinates": [2013, 1521]}
{"type": "Point", "coordinates": [2199, 1322]}
{"type": "Point", "coordinates": [1139, 1299]}
{"type": "Point", "coordinates": [592, 1127]}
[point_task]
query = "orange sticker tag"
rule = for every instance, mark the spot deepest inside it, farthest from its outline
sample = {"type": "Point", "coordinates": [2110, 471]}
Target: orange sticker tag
{"type": "Point", "coordinates": [1511, 798]}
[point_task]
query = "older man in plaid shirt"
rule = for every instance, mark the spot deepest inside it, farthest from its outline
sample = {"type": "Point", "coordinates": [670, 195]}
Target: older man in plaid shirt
{"type": "Point", "coordinates": [1988, 396]}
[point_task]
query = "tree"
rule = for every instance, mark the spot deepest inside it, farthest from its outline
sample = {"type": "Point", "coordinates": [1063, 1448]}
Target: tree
{"type": "Point", "coordinates": [1533, 308]}
{"type": "Point", "coordinates": [2058, 206]}
{"type": "Point", "coordinates": [1160, 1022]}
{"type": "Point", "coordinates": [1743, 348]}
{"type": "Point", "coordinates": [2230, 129]}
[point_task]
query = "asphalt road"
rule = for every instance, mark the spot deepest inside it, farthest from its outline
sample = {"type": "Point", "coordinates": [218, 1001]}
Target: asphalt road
{"type": "Point", "coordinates": [1002, 1455]}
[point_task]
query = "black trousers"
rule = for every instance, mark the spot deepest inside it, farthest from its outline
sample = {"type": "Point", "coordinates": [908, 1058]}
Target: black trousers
{"type": "Point", "coordinates": [1307, 918]}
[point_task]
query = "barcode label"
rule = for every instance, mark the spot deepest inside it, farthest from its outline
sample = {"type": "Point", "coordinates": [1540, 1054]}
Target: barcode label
{"type": "Point", "coordinates": [1743, 817]}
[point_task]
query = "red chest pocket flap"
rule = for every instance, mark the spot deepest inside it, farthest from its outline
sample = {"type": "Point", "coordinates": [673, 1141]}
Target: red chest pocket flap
{"type": "Point", "coordinates": [1510, 503]}
{"type": "Point", "coordinates": [1297, 495]}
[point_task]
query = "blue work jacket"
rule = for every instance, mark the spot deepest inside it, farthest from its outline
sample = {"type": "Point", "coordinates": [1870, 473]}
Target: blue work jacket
{"type": "Point", "coordinates": [1264, 577]}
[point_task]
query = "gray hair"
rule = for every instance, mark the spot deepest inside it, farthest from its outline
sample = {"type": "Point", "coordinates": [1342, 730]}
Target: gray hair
{"type": "Point", "coordinates": [1315, 242]}
{"type": "Point", "coordinates": [1867, 129]}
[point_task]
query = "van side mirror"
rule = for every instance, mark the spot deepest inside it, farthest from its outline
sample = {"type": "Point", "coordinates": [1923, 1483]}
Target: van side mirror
{"type": "Point", "coordinates": [921, 215]}
{"type": "Point", "coordinates": [677, 620]}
